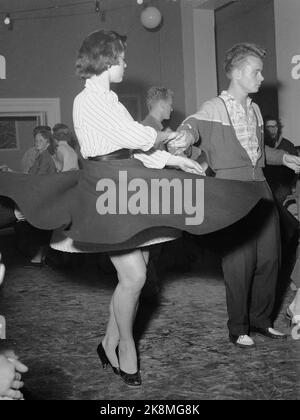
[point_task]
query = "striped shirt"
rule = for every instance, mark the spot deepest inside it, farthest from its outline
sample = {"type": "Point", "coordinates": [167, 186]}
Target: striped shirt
{"type": "Point", "coordinates": [103, 125]}
{"type": "Point", "coordinates": [244, 124]}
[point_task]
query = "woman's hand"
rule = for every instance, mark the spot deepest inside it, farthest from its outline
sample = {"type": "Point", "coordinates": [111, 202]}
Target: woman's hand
{"type": "Point", "coordinates": [186, 165]}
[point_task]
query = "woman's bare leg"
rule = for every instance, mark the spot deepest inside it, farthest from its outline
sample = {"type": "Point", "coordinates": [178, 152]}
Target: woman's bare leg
{"type": "Point", "coordinates": [131, 268]}
{"type": "Point", "coordinates": [112, 336]}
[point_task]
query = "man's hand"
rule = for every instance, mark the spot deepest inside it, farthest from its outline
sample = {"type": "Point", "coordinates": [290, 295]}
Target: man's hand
{"type": "Point", "coordinates": [292, 162]}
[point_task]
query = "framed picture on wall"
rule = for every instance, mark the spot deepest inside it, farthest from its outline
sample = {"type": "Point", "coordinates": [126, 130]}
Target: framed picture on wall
{"type": "Point", "coordinates": [14, 129]}
{"type": "Point", "coordinates": [133, 104]}
{"type": "Point", "coordinates": [8, 134]}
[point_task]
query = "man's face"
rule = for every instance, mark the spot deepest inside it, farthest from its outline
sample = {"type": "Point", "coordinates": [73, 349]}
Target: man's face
{"type": "Point", "coordinates": [167, 108]}
{"type": "Point", "coordinates": [249, 74]}
{"type": "Point", "coordinates": [271, 127]}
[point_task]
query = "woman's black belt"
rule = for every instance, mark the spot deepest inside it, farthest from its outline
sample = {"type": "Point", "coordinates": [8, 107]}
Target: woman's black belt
{"type": "Point", "coordinates": [118, 154]}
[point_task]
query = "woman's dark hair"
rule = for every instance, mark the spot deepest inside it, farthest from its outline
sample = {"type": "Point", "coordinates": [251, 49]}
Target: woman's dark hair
{"type": "Point", "coordinates": [47, 135]}
{"type": "Point", "coordinates": [40, 128]}
{"type": "Point", "coordinates": [99, 51]}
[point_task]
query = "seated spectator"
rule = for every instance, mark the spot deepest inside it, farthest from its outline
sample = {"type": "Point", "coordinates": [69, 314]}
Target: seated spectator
{"type": "Point", "coordinates": [31, 154]}
{"type": "Point", "coordinates": [282, 181]}
{"type": "Point", "coordinates": [33, 241]}
{"type": "Point", "coordinates": [45, 147]}
{"type": "Point", "coordinates": [280, 178]}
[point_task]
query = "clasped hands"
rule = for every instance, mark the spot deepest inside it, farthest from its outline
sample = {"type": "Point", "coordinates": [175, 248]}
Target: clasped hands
{"type": "Point", "coordinates": [178, 141]}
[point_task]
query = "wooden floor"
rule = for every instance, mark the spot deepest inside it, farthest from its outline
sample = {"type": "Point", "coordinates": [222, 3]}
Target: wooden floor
{"type": "Point", "coordinates": [56, 317]}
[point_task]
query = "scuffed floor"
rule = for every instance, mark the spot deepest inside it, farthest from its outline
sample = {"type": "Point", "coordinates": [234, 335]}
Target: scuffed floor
{"type": "Point", "coordinates": [56, 318]}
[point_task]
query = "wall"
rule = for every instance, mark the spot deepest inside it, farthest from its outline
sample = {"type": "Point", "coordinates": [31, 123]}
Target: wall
{"type": "Point", "coordinates": [288, 57]}
{"type": "Point", "coordinates": [205, 54]}
{"type": "Point", "coordinates": [12, 158]}
{"type": "Point", "coordinates": [200, 80]}
{"type": "Point", "coordinates": [40, 53]}
{"type": "Point", "coordinates": [250, 21]}
{"type": "Point", "coordinates": [188, 40]}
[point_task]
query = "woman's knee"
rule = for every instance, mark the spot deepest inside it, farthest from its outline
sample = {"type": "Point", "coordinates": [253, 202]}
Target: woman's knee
{"type": "Point", "coordinates": [133, 280]}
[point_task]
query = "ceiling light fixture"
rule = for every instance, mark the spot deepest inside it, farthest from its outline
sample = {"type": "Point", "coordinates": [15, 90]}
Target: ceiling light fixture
{"type": "Point", "coordinates": [8, 21]}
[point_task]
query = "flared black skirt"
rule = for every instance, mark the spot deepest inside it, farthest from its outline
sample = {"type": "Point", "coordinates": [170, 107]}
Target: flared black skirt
{"type": "Point", "coordinates": [119, 204]}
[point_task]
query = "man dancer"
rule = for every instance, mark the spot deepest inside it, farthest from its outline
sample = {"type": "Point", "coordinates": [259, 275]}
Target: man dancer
{"type": "Point", "coordinates": [230, 130]}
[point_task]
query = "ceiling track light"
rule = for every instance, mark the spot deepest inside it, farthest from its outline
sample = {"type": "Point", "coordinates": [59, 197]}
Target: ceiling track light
{"type": "Point", "coordinates": [97, 6]}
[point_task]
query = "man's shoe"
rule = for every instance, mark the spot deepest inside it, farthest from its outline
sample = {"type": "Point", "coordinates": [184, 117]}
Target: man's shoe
{"type": "Point", "coordinates": [243, 341]}
{"type": "Point", "coordinates": [269, 332]}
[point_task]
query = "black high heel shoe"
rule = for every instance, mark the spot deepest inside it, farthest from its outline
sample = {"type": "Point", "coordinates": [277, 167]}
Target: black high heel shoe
{"type": "Point", "coordinates": [131, 379]}
{"type": "Point", "coordinates": [104, 359]}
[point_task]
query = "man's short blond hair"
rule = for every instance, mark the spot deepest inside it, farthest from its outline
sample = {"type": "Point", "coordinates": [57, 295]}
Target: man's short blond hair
{"type": "Point", "coordinates": [156, 93]}
{"type": "Point", "coordinates": [239, 52]}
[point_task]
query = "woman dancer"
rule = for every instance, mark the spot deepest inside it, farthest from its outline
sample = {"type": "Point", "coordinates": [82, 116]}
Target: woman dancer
{"type": "Point", "coordinates": [103, 127]}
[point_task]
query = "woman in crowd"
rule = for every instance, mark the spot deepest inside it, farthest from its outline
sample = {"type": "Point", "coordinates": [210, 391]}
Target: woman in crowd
{"type": "Point", "coordinates": [31, 240]}
{"type": "Point", "coordinates": [45, 147]}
